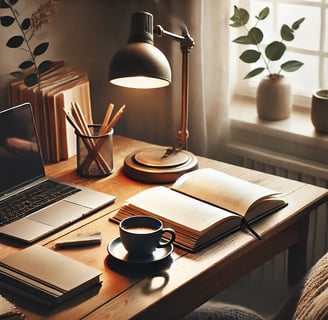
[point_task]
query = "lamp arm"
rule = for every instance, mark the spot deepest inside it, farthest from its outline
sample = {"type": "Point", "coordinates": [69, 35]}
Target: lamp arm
{"type": "Point", "coordinates": [185, 39]}
{"type": "Point", "coordinates": [186, 44]}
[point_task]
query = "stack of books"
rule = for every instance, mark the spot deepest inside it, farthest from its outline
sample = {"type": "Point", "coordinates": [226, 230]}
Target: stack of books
{"type": "Point", "coordinates": [58, 89]}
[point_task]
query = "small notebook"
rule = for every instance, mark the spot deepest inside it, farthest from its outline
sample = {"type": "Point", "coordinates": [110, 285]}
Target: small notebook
{"type": "Point", "coordinates": [46, 276]}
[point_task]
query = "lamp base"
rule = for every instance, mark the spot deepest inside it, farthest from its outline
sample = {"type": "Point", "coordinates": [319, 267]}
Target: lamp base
{"type": "Point", "coordinates": [149, 165]}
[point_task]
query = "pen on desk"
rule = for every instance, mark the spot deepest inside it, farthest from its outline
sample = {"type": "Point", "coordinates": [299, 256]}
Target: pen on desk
{"type": "Point", "coordinates": [79, 241]}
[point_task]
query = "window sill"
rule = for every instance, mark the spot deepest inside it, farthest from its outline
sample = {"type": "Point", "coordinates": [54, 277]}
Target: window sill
{"type": "Point", "coordinates": [294, 137]}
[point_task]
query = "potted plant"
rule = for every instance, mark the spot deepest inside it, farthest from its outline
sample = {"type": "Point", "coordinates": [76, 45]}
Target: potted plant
{"type": "Point", "coordinates": [274, 96]}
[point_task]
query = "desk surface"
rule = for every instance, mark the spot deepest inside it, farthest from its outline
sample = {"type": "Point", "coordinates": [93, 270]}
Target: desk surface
{"type": "Point", "coordinates": [186, 280]}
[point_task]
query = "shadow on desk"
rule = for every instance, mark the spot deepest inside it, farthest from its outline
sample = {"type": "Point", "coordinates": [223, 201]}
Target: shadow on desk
{"type": "Point", "coordinates": [138, 270]}
{"type": "Point", "coordinates": [157, 277]}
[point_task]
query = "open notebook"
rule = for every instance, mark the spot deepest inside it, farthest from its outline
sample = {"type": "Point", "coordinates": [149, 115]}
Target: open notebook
{"type": "Point", "coordinates": [25, 212]}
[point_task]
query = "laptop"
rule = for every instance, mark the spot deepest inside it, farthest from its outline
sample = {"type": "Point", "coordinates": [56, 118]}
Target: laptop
{"type": "Point", "coordinates": [23, 215]}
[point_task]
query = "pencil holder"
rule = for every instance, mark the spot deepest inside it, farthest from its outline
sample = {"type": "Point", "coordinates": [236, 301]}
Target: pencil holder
{"type": "Point", "coordinates": [94, 153]}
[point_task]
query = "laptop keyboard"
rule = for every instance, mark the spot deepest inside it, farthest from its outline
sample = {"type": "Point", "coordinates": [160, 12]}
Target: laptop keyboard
{"type": "Point", "coordinates": [33, 199]}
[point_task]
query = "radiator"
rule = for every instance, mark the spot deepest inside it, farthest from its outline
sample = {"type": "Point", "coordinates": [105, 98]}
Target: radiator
{"type": "Point", "coordinates": [298, 170]}
{"type": "Point", "coordinates": [266, 288]}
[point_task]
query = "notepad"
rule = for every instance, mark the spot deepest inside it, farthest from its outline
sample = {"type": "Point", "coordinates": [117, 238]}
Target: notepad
{"type": "Point", "coordinates": [46, 276]}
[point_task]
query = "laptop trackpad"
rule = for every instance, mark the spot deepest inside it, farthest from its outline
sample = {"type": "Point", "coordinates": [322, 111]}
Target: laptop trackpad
{"type": "Point", "coordinates": [59, 213]}
{"type": "Point", "coordinates": [25, 229]}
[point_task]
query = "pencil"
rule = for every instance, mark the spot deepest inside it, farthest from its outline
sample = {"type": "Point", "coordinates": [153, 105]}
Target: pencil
{"type": "Point", "coordinates": [78, 121]}
{"type": "Point", "coordinates": [106, 119]}
{"type": "Point", "coordinates": [116, 117]}
{"type": "Point", "coordinates": [72, 122]}
{"type": "Point", "coordinates": [108, 128]}
{"type": "Point", "coordinates": [79, 118]}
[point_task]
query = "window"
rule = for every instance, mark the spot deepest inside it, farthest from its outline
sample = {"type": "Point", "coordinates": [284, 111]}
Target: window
{"type": "Point", "coordinates": [309, 46]}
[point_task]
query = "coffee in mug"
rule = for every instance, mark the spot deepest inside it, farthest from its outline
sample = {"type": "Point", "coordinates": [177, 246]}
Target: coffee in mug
{"type": "Point", "coordinates": [141, 235]}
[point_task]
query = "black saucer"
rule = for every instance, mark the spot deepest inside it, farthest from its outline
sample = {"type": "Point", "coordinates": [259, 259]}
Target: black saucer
{"type": "Point", "coordinates": [117, 251]}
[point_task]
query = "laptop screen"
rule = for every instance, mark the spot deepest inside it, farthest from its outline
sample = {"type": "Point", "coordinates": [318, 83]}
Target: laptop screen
{"type": "Point", "coordinates": [20, 159]}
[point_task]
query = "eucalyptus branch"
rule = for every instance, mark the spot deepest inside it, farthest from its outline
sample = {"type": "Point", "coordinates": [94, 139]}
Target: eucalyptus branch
{"type": "Point", "coordinates": [27, 43]}
{"type": "Point", "coordinates": [265, 61]}
{"type": "Point", "coordinates": [272, 52]}
{"type": "Point", "coordinates": [39, 17]}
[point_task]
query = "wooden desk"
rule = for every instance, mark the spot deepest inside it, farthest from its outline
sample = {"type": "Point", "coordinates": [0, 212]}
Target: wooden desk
{"type": "Point", "coordinates": [187, 280]}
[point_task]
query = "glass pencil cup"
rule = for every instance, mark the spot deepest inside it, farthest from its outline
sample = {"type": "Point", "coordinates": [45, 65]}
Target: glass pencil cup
{"type": "Point", "coordinates": [94, 153]}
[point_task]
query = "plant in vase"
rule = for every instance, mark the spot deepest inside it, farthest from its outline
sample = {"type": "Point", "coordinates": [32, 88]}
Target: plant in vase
{"type": "Point", "coordinates": [274, 97]}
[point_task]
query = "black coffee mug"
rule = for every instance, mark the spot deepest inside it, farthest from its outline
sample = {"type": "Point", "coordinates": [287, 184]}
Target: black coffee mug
{"type": "Point", "coordinates": [141, 235]}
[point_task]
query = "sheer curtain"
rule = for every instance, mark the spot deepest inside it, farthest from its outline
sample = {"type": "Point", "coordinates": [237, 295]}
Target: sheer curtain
{"type": "Point", "coordinates": [209, 76]}
{"type": "Point", "coordinates": [154, 115]}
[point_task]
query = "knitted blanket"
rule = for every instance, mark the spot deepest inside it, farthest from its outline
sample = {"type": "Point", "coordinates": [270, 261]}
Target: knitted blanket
{"type": "Point", "coordinates": [313, 302]}
{"type": "Point", "coordinates": [222, 311]}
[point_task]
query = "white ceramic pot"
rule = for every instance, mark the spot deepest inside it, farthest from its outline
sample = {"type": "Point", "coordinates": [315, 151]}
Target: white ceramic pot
{"type": "Point", "coordinates": [319, 111]}
{"type": "Point", "coordinates": [274, 98]}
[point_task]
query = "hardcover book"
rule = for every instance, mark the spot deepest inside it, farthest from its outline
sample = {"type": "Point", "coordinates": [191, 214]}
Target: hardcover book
{"type": "Point", "coordinates": [203, 206]}
{"type": "Point", "coordinates": [46, 276]}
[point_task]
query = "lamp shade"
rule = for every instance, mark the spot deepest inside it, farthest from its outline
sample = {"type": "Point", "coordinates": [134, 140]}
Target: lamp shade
{"type": "Point", "coordinates": [139, 64]}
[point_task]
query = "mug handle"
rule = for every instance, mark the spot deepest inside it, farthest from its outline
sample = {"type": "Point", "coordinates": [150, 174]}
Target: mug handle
{"type": "Point", "coordinates": [166, 242]}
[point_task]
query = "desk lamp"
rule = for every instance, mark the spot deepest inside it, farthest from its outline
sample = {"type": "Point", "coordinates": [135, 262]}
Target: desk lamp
{"type": "Point", "coordinates": [139, 64]}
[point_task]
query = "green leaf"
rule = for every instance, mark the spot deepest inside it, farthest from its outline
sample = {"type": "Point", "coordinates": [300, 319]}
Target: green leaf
{"type": "Point", "coordinates": [44, 66]}
{"type": "Point", "coordinates": [254, 73]}
{"type": "Point", "coordinates": [26, 23]}
{"type": "Point", "coordinates": [291, 66]}
{"type": "Point", "coordinates": [12, 2]}
{"type": "Point", "coordinates": [239, 18]}
{"type": "Point", "coordinates": [256, 35]}
{"type": "Point", "coordinates": [275, 50]}
{"type": "Point", "coordinates": [243, 40]}
{"type": "Point", "coordinates": [263, 14]}
{"type": "Point", "coordinates": [297, 23]}
{"type": "Point", "coordinates": [41, 48]}
{"type": "Point", "coordinates": [15, 42]}
{"type": "Point", "coordinates": [31, 79]}
{"type": "Point", "coordinates": [4, 5]}
{"type": "Point", "coordinates": [17, 74]}
{"type": "Point", "coordinates": [7, 21]}
{"type": "Point", "coordinates": [286, 33]}
{"type": "Point", "coordinates": [250, 56]}
{"type": "Point", "coordinates": [26, 64]}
